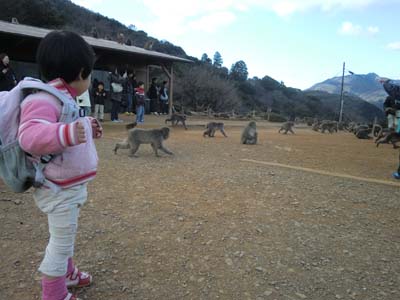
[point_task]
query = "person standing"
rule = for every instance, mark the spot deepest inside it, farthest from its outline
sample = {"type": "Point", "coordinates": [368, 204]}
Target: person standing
{"type": "Point", "coordinates": [66, 61]}
{"type": "Point", "coordinates": [117, 82]}
{"type": "Point", "coordinates": [100, 95]}
{"type": "Point", "coordinates": [130, 92]}
{"type": "Point", "coordinates": [153, 96]}
{"type": "Point", "coordinates": [164, 99]}
{"type": "Point", "coordinates": [7, 76]}
{"type": "Point", "coordinates": [140, 95]}
{"type": "Point", "coordinates": [84, 104]}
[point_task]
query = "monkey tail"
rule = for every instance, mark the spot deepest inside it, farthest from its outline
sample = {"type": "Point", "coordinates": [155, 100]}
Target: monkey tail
{"type": "Point", "coordinates": [131, 125]}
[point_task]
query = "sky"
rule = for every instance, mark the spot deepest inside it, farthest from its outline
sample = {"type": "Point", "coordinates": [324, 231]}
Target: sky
{"type": "Point", "coordinates": [299, 42]}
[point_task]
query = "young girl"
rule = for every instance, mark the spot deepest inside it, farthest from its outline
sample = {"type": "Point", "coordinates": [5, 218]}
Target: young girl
{"type": "Point", "coordinates": [66, 61]}
{"type": "Point", "coordinates": [140, 101]}
{"type": "Point", "coordinates": [100, 95]}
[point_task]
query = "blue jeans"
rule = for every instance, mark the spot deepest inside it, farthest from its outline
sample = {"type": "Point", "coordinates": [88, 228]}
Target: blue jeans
{"type": "Point", "coordinates": [115, 109]}
{"type": "Point", "coordinates": [140, 114]}
{"type": "Point", "coordinates": [129, 104]}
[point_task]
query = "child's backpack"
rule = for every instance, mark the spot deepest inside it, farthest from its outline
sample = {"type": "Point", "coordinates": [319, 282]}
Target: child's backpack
{"type": "Point", "coordinates": [16, 170]}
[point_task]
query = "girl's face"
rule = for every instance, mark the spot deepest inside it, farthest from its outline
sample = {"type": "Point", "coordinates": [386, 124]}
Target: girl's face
{"type": "Point", "coordinates": [6, 60]}
{"type": "Point", "coordinates": [81, 85]}
{"type": "Point", "coordinates": [101, 87]}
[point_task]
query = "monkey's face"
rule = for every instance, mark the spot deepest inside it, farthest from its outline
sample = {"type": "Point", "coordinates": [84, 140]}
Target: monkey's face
{"type": "Point", "coordinates": [165, 132]}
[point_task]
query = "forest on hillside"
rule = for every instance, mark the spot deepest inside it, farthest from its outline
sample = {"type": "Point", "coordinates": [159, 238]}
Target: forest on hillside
{"type": "Point", "coordinates": [204, 85]}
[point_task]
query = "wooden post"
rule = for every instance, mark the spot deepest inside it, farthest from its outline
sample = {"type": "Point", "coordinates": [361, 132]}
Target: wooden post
{"type": "Point", "coordinates": [147, 77]}
{"type": "Point", "coordinates": [171, 91]}
{"type": "Point", "coordinates": [341, 97]}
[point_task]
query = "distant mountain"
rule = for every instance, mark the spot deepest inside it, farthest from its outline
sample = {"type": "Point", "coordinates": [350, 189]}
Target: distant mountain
{"type": "Point", "coordinates": [366, 87]}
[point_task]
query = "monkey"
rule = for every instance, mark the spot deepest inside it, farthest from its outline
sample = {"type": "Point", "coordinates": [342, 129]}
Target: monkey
{"type": "Point", "coordinates": [14, 20]}
{"type": "Point", "coordinates": [148, 45]}
{"type": "Point", "coordinates": [136, 137]}
{"type": "Point", "coordinates": [212, 127]}
{"type": "Point", "coordinates": [249, 134]}
{"type": "Point", "coordinates": [315, 126]}
{"type": "Point", "coordinates": [287, 126]}
{"type": "Point", "coordinates": [358, 128]}
{"type": "Point", "coordinates": [390, 137]}
{"type": "Point", "coordinates": [176, 118]}
{"type": "Point", "coordinates": [363, 133]}
{"type": "Point", "coordinates": [121, 38]}
{"type": "Point", "coordinates": [94, 32]}
{"type": "Point", "coordinates": [331, 126]}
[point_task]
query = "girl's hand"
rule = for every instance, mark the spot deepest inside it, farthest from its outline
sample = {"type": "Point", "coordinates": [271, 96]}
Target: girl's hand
{"type": "Point", "coordinates": [96, 128]}
{"type": "Point", "coordinates": [80, 131]}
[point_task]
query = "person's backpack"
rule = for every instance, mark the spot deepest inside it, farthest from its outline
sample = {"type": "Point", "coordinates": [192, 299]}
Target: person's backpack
{"type": "Point", "coordinates": [16, 170]}
{"type": "Point", "coordinates": [164, 95]}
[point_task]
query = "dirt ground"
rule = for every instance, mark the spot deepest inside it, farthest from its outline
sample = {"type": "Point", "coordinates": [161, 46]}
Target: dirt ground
{"type": "Point", "coordinates": [207, 224]}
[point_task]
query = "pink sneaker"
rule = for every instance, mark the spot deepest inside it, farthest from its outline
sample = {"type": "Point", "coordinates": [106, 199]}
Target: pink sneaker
{"type": "Point", "coordinates": [78, 279]}
{"type": "Point", "coordinates": [71, 297]}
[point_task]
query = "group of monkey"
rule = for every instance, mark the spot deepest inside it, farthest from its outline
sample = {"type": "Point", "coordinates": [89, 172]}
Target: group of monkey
{"type": "Point", "coordinates": [156, 137]}
{"type": "Point", "coordinates": [361, 131]}
{"type": "Point", "coordinates": [249, 136]}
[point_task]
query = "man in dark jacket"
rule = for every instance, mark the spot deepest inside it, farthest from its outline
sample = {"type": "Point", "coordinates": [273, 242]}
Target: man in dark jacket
{"type": "Point", "coordinates": [391, 105]}
{"type": "Point", "coordinates": [152, 93]}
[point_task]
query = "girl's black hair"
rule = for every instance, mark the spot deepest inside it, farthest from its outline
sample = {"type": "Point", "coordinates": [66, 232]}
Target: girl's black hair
{"type": "Point", "coordinates": [64, 54]}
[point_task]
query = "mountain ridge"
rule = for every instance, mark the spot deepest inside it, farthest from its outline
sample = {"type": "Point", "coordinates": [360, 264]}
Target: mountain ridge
{"type": "Point", "coordinates": [365, 86]}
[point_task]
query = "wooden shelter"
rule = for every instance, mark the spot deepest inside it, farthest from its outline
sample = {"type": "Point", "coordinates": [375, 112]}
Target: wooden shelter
{"type": "Point", "coordinates": [21, 41]}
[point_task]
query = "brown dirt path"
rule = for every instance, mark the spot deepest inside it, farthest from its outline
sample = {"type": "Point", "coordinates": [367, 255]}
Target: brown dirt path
{"type": "Point", "coordinates": [204, 224]}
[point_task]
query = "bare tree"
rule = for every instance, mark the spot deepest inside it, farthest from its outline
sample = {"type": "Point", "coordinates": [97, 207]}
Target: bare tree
{"type": "Point", "coordinates": [200, 88]}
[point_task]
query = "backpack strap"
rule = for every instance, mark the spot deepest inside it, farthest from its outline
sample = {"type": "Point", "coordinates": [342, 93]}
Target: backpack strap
{"type": "Point", "coordinates": [70, 110]}
{"type": "Point", "coordinates": [69, 113]}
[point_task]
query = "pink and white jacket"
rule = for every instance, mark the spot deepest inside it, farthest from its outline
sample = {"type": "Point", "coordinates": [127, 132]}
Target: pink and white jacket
{"type": "Point", "coordinates": [41, 133]}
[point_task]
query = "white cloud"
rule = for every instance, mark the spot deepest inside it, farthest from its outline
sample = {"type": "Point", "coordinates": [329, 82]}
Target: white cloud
{"type": "Point", "coordinates": [288, 7]}
{"type": "Point", "coordinates": [212, 22]}
{"type": "Point", "coordinates": [177, 15]}
{"type": "Point", "coordinates": [349, 28]}
{"type": "Point", "coordinates": [373, 30]}
{"type": "Point", "coordinates": [394, 46]}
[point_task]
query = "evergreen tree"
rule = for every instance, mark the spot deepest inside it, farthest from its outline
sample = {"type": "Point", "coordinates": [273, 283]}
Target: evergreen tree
{"type": "Point", "coordinates": [204, 57]}
{"type": "Point", "coordinates": [217, 60]}
{"type": "Point", "coordinates": [239, 71]}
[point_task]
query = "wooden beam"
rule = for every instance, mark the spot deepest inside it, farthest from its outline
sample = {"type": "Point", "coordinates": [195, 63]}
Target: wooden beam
{"type": "Point", "coordinates": [165, 69]}
{"type": "Point", "coordinates": [171, 90]}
